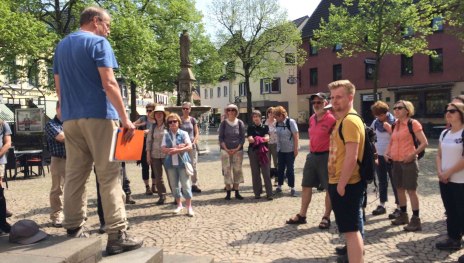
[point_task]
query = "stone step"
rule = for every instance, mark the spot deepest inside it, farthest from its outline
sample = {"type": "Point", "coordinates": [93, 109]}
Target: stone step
{"type": "Point", "coordinates": [141, 255]}
{"type": "Point", "coordinates": [179, 258]}
{"type": "Point", "coordinates": [53, 249]}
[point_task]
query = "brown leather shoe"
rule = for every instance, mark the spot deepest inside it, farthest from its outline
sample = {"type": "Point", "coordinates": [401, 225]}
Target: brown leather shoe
{"type": "Point", "coordinates": [402, 219]}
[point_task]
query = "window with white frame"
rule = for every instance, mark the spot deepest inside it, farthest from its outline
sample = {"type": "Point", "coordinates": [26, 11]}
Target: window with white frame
{"type": "Point", "coordinates": [242, 89]}
{"type": "Point", "coordinates": [268, 85]}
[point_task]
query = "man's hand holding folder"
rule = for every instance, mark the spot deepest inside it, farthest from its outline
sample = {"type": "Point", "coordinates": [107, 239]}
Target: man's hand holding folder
{"type": "Point", "coordinates": [128, 130]}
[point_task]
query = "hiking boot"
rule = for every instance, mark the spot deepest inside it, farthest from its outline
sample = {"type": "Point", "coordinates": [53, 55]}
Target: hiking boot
{"type": "Point", "coordinates": [196, 189]}
{"type": "Point", "coordinates": [101, 229]}
{"type": "Point", "coordinates": [148, 190]}
{"type": "Point", "coordinates": [380, 210]}
{"type": "Point", "coordinates": [414, 224]}
{"type": "Point", "coordinates": [342, 259]}
{"type": "Point", "coordinates": [341, 250]}
{"type": "Point", "coordinates": [129, 200]}
{"type": "Point", "coordinates": [79, 232]}
{"type": "Point", "coordinates": [395, 214]}
{"type": "Point", "coordinates": [237, 195]}
{"type": "Point", "coordinates": [121, 242]}
{"type": "Point", "coordinates": [153, 188]}
{"type": "Point", "coordinates": [278, 190]}
{"type": "Point", "coordinates": [402, 219]}
{"type": "Point", "coordinates": [448, 244]}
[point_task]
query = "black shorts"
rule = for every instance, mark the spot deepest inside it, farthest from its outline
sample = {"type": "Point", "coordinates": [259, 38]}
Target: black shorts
{"type": "Point", "coordinates": [347, 208]}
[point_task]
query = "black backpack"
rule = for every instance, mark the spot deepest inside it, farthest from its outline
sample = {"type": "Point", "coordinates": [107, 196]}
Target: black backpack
{"type": "Point", "coordinates": [416, 142]}
{"type": "Point", "coordinates": [287, 125]}
{"type": "Point", "coordinates": [367, 164]}
{"type": "Point", "coordinates": [462, 138]}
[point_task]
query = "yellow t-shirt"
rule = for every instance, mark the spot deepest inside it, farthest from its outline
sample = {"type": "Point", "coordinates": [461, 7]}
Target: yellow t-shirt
{"type": "Point", "coordinates": [353, 131]}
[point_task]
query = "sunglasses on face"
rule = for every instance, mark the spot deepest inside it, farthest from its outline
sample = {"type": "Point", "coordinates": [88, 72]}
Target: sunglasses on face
{"type": "Point", "coordinates": [316, 102]}
{"type": "Point", "coordinates": [149, 110]}
{"type": "Point", "coordinates": [230, 110]}
{"type": "Point", "coordinates": [172, 121]}
{"type": "Point", "coordinates": [185, 108]}
{"type": "Point", "coordinates": [398, 108]}
{"type": "Point", "coordinates": [452, 111]}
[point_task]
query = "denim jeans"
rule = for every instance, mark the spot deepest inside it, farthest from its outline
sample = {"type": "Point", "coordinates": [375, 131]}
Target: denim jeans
{"type": "Point", "coordinates": [286, 160]}
{"type": "Point", "coordinates": [179, 180]}
{"type": "Point", "coordinates": [384, 174]}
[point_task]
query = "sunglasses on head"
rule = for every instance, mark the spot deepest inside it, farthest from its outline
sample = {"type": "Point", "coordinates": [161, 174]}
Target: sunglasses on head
{"type": "Point", "coordinates": [452, 111]}
{"type": "Point", "coordinates": [172, 121]}
{"type": "Point", "coordinates": [398, 108]}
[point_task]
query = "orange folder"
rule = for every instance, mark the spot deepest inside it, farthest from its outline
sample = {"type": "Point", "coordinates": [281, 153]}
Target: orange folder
{"type": "Point", "coordinates": [126, 151]}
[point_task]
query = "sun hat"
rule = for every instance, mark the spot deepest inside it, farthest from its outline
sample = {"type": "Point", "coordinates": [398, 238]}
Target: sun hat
{"type": "Point", "coordinates": [26, 232]}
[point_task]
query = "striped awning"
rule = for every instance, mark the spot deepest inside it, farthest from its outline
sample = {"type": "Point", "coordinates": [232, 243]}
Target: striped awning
{"type": "Point", "coordinates": [6, 114]}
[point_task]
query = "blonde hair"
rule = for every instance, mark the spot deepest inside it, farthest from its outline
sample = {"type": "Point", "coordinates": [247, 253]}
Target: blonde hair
{"type": "Point", "coordinates": [409, 107]}
{"type": "Point", "coordinates": [279, 111]}
{"type": "Point", "coordinates": [349, 87]}
{"type": "Point", "coordinates": [270, 109]}
{"type": "Point", "coordinates": [174, 116]}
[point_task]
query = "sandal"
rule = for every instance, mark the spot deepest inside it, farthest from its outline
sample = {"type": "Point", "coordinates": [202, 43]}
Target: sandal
{"type": "Point", "coordinates": [325, 223]}
{"type": "Point", "coordinates": [300, 220]}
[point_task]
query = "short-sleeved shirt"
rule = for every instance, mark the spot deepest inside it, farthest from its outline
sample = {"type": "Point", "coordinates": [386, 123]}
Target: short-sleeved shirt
{"type": "Point", "coordinates": [285, 136]}
{"type": "Point", "coordinates": [272, 131]}
{"type": "Point", "coordinates": [319, 132]}
{"type": "Point", "coordinates": [255, 130]}
{"type": "Point", "coordinates": [451, 153]}
{"type": "Point", "coordinates": [188, 125]}
{"type": "Point", "coordinates": [52, 129]}
{"type": "Point", "coordinates": [401, 142]}
{"type": "Point", "coordinates": [383, 139]}
{"type": "Point", "coordinates": [232, 135]}
{"type": "Point", "coordinates": [77, 59]}
{"type": "Point", "coordinates": [154, 139]}
{"type": "Point", "coordinates": [353, 131]}
{"type": "Point", "coordinates": [4, 131]}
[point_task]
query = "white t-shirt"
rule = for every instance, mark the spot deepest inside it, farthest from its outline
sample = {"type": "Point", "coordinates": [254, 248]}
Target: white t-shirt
{"type": "Point", "coordinates": [451, 153]}
{"type": "Point", "coordinates": [383, 139]}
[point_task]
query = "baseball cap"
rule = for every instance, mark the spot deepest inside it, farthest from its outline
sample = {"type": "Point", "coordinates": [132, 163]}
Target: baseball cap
{"type": "Point", "coordinates": [320, 95]}
{"type": "Point", "coordinates": [26, 232]}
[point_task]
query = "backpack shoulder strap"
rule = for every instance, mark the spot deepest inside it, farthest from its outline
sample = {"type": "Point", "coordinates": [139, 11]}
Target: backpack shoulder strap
{"type": "Point", "coordinates": [340, 133]}
{"type": "Point", "coordinates": [446, 132]}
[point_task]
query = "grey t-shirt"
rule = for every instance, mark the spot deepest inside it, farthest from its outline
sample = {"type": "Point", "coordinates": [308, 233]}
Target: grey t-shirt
{"type": "Point", "coordinates": [4, 131]}
{"type": "Point", "coordinates": [232, 135]}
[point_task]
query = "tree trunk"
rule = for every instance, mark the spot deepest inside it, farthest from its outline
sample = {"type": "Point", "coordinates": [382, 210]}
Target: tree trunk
{"type": "Point", "coordinates": [249, 100]}
{"type": "Point", "coordinates": [376, 78]}
{"type": "Point", "coordinates": [133, 99]}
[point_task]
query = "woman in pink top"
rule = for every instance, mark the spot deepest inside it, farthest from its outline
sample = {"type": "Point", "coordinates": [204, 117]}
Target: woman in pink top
{"type": "Point", "coordinates": [405, 168]}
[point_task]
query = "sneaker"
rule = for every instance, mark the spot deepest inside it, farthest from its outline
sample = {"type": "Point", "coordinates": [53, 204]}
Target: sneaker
{"type": "Point", "coordinates": [190, 212]}
{"type": "Point", "coordinates": [178, 210]}
{"type": "Point", "coordinates": [196, 189]}
{"type": "Point", "coordinates": [270, 197]}
{"type": "Point", "coordinates": [293, 193]}
{"type": "Point", "coordinates": [57, 223]}
{"type": "Point", "coordinates": [8, 213]}
{"type": "Point", "coordinates": [121, 242]}
{"type": "Point", "coordinates": [380, 210]}
{"type": "Point", "coordinates": [402, 219]}
{"type": "Point", "coordinates": [79, 232]}
{"type": "Point", "coordinates": [414, 224]}
{"type": "Point", "coordinates": [342, 258]}
{"type": "Point", "coordinates": [278, 190]}
{"type": "Point", "coordinates": [101, 229]}
{"type": "Point", "coordinates": [395, 214]}
{"type": "Point", "coordinates": [148, 190]}
{"type": "Point", "coordinates": [341, 250]}
{"type": "Point", "coordinates": [461, 259]}
{"type": "Point", "coordinates": [161, 200]}
{"type": "Point", "coordinates": [448, 244]}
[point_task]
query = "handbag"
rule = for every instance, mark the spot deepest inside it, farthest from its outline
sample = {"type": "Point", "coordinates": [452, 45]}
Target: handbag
{"type": "Point", "coordinates": [188, 166]}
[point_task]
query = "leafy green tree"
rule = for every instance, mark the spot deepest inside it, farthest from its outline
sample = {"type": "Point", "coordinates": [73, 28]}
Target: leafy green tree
{"type": "Point", "coordinates": [255, 34]}
{"type": "Point", "coordinates": [379, 27]}
{"type": "Point", "coordinates": [452, 11]}
{"type": "Point", "coordinates": [22, 37]}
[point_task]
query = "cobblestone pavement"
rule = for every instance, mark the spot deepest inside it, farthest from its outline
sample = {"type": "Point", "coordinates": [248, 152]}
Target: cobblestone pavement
{"type": "Point", "coordinates": [252, 230]}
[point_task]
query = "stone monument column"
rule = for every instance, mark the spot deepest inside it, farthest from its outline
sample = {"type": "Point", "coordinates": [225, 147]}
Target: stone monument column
{"type": "Point", "coordinates": [185, 79]}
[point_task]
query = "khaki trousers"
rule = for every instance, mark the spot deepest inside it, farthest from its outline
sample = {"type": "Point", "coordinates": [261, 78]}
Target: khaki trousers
{"type": "Point", "coordinates": [88, 141]}
{"type": "Point", "coordinates": [57, 169]}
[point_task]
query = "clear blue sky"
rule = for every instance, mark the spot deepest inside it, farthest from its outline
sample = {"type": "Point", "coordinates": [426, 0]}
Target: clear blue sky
{"type": "Point", "coordinates": [295, 9]}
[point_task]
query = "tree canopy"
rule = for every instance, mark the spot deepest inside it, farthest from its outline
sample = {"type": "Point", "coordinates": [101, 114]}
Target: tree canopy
{"type": "Point", "coordinates": [379, 27]}
{"type": "Point", "coordinates": [254, 36]}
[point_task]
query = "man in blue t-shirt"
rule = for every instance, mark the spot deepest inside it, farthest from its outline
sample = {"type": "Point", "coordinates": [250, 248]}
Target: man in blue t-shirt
{"type": "Point", "coordinates": [91, 105]}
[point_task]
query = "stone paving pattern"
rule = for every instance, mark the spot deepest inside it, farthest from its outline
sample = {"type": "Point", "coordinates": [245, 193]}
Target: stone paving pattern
{"type": "Point", "coordinates": [252, 230]}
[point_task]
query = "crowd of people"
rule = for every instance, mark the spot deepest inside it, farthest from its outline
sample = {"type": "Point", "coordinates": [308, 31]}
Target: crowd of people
{"type": "Point", "coordinates": [91, 107]}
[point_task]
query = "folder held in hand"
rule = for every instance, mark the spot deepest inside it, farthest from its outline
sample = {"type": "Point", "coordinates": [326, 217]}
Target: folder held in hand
{"type": "Point", "coordinates": [126, 151]}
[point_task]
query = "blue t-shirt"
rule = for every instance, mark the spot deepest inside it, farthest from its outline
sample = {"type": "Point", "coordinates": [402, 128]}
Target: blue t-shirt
{"type": "Point", "coordinates": [77, 59]}
{"type": "Point", "coordinates": [4, 131]}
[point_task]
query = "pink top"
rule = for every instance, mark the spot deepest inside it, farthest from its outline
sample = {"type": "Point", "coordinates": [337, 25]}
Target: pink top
{"type": "Point", "coordinates": [319, 132]}
{"type": "Point", "coordinates": [401, 143]}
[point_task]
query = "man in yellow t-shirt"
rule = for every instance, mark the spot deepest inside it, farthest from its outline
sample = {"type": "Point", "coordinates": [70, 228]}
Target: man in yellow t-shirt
{"type": "Point", "coordinates": [345, 186]}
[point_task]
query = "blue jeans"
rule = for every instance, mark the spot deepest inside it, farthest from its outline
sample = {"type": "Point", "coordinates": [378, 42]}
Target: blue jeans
{"type": "Point", "coordinates": [384, 173]}
{"type": "Point", "coordinates": [179, 179]}
{"type": "Point", "coordinates": [286, 160]}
